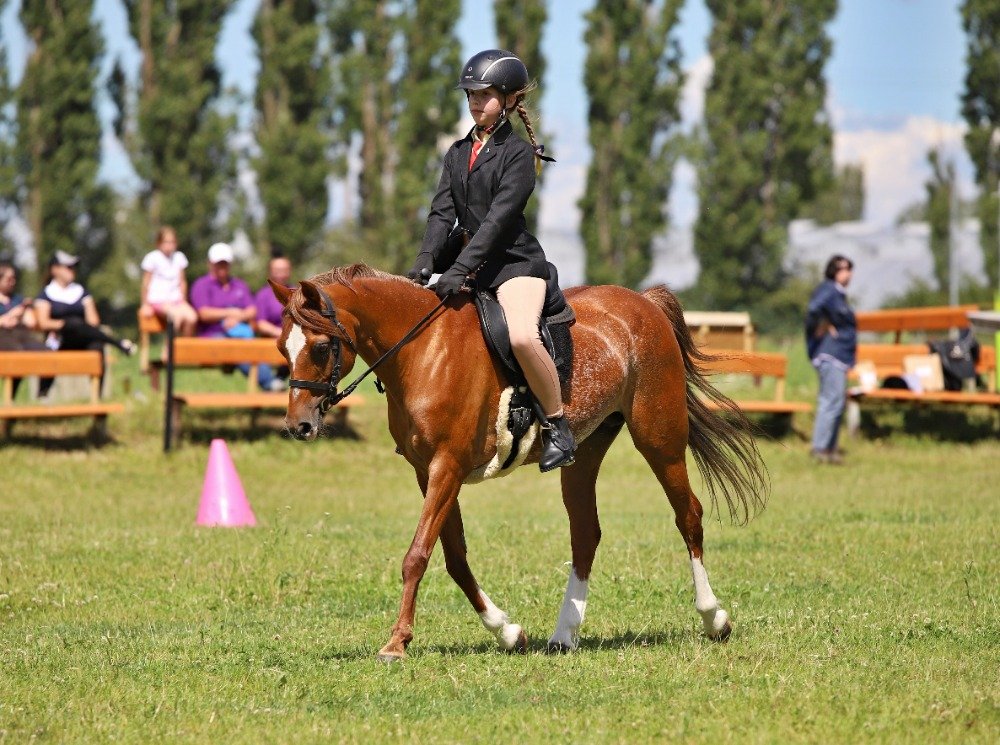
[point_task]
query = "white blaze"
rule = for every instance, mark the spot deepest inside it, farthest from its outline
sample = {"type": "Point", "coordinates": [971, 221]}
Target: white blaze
{"type": "Point", "coordinates": [294, 343]}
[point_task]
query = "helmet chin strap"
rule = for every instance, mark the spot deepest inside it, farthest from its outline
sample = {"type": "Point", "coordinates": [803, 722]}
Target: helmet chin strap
{"type": "Point", "coordinates": [489, 130]}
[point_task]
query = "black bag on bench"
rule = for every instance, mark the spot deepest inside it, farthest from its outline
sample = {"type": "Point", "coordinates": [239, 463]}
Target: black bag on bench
{"type": "Point", "coordinates": [958, 359]}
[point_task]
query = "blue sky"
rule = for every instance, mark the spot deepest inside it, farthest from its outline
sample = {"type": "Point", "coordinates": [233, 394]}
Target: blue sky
{"type": "Point", "coordinates": [895, 78]}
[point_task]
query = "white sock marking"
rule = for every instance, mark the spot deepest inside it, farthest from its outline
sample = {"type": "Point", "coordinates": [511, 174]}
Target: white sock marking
{"type": "Point", "coordinates": [713, 617]}
{"type": "Point", "coordinates": [496, 622]}
{"type": "Point", "coordinates": [574, 608]}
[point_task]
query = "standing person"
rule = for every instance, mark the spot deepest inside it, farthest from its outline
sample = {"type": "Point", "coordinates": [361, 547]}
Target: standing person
{"type": "Point", "coordinates": [17, 320]}
{"type": "Point", "coordinates": [476, 227]}
{"type": "Point", "coordinates": [225, 307]}
{"type": "Point", "coordinates": [68, 314]}
{"type": "Point", "coordinates": [164, 286]}
{"type": "Point", "coordinates": [832, 342]}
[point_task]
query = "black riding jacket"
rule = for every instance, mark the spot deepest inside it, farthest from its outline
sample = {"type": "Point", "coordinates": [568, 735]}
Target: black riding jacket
{"type": "Point", "coordinates": [488, 202]}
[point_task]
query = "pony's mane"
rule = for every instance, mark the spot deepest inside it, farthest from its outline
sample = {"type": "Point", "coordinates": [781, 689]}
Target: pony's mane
{"type": "Point", "coordinates": [342, 275]}
{"type": "Point", "coordinates": [345, 275]}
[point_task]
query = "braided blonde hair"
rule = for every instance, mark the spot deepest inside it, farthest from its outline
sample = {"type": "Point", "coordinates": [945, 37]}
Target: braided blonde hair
{"type": "Point", "coordinates": [522, 111]}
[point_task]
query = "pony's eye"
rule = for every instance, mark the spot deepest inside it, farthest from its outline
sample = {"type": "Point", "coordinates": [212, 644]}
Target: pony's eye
{"type": "Point", "coordinates": [320, 352]}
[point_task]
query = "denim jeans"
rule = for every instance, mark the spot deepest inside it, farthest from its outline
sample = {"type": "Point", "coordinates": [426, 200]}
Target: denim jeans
{"type": "Point", "coordinates": [265, 373]}
{"type": "Point", "coordinates": [829, 405]}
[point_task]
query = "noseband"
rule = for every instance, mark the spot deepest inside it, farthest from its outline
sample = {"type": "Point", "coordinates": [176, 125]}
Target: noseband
{"type": "Point", "coordinates": [332, 397]}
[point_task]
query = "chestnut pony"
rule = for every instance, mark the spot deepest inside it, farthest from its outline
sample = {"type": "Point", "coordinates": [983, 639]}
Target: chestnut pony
{"type": "Point", "coordinates": [635, 365]}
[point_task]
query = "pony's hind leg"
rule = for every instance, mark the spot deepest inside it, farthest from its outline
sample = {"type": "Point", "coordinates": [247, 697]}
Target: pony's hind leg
{"type": "Point", "coordinates": [510, 635]}
{"type": "Point", "coordinates": [673, 477]}
{"type": "Point", "coordinates": [580, 498]}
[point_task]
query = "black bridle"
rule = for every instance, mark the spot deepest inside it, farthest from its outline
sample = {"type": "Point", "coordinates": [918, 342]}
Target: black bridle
{"type": "Point", "coordinates": [329, 388]}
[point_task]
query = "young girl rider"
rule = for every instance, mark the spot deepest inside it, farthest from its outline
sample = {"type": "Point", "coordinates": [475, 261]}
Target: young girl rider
{"type": "Point", "coordinates": [477, 227]}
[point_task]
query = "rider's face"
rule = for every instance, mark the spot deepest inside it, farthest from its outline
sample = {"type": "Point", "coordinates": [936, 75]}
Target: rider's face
{"type": "Point", "coordinates": [486, 106]}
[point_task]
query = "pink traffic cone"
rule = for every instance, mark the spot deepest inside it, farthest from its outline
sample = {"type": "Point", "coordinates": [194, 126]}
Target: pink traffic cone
{"type": "Point", "coordinates": [223, 501]}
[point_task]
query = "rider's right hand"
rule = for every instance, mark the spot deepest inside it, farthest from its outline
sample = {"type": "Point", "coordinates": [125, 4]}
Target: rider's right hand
{"type": "Point", "coordinates": [422, 269]}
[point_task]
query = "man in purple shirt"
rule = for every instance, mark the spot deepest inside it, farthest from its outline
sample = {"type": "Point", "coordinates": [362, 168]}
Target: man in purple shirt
{"type": "Point", "coordinates": [225, 307]}
{"type": "Point", "coordinates": [224, 303]}
{"type": "Point", "coordinates": [279, 271]}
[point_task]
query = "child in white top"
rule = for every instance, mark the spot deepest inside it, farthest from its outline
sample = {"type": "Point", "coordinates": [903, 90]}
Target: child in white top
{"type": "Point", "coordinates": [164, 286]}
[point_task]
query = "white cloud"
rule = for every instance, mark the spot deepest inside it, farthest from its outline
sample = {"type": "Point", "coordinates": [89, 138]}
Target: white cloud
{"type": "Point", "coordinates": [895, 162]}
{"type": "Point", "coordinates": [693, 95]}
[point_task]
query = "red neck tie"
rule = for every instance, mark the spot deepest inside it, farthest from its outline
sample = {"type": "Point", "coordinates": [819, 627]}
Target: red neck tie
{"type": "Point", "coordinates": [476, 147]}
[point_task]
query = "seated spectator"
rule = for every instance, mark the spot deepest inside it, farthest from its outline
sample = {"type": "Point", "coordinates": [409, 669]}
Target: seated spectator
{"type": "Point", "coordinates": [269, 308]}
{"type": "Point", "coordinates": [226, 308]}
{"type": "Point", "coordinates": [17, 320]}
{"type": "Point", "coordinates": [67, 313]}
{"type": "Point", "coordinates": [164, 286]}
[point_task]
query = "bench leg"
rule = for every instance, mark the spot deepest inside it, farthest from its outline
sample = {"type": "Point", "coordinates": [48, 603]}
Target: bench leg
{"type": "Point", "coordinates": [338, 418]}
{"type": "Point", "coordinates": [99, 429]}
{"type": "Point", "coordinates": [8, 428]}
{"type": "Point", "coordinates": [176, 408]}
{"type": "Point", "coordinates": [852, 417]}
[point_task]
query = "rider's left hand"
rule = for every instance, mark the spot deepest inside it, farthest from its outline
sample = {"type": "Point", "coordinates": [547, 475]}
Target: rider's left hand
{"type": "Point", "coordinates": [451, 282]}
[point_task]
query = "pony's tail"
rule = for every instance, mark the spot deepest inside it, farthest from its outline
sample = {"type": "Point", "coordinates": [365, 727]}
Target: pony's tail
{"type": "Point", "coordinates": [722, 442]}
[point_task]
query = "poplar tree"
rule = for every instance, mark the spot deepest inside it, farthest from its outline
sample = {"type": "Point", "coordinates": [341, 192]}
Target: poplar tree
{"type": "Point", "coordinates": [58, 136]}
{"type": "Point", "coordinates": [8, 137]}
{"type": "Point", "coordinates": [844, 200]}
{"type": "Point", "coordinates": [519, 26]}
{"type": "Point", "coordinates": [981, 110]}
{"type": "Point", "coordinates": [178, 138]}
{"type": "Point", "coordinates": [429, 111]}
{"type": "Point", "coordinates": [634, 80]}
{"type": "Point", "coordinates": [939, 198]}
{"type": "Point", "coordinates": [291, 130]}
{"type": "Point", "coordinates": [767, 143]}
{"type": "Point", "coordinates": [396, 64]}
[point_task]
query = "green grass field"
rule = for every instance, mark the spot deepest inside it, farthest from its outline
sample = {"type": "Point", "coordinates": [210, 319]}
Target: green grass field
{"type": "Point", "coordinates": [864, 599]}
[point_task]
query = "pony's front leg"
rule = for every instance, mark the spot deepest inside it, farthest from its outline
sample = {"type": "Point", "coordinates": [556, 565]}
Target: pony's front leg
{"type": "Point", "coordinates": [440, 497]}
{"type": "Point", "coordinates": [510, 635]}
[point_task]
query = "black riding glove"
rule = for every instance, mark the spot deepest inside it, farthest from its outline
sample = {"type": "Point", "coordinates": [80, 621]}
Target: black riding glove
{"type": "Point", "coordinates": [422, 269]}
{"type": "Point", "coordinates": [451, 281]}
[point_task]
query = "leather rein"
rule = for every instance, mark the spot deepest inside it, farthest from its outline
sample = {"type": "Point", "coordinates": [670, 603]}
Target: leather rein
{"type": "Point", "coordinates": [329, 388]}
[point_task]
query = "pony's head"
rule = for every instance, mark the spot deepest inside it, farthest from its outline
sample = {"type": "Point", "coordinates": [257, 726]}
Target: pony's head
{"type": "Point", "coordinates": [319, 351]}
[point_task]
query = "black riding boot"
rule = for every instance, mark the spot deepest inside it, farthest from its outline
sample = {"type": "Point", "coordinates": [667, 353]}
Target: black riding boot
{"type": "Point", "coordinates": [558, 444]}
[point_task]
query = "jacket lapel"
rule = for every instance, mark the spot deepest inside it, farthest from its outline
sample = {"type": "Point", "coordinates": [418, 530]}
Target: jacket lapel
{"type": "Point", "coordinates": [463, 154]}
{"type": "Point", "coordinates": [490, 149]}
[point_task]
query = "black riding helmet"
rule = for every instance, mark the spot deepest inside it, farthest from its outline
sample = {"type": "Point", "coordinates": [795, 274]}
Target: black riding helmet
{"type": "Point", "coordinates": [496, 67]}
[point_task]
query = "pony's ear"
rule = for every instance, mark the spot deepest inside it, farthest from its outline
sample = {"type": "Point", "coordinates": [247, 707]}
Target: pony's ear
{"type": "Point", "coordinates": [281, 292]}
{"type": "Point", "coordinates": [311, 293]}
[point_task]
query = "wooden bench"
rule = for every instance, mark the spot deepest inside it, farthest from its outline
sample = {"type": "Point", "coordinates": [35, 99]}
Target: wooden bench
{"type": "Point", "coordinates": [899, 320]}
{"type": "Point", "coordinates": [759, 365]}
{"type": "Point", "coordinates": [149, 325]}
{"type": "Point", "coordinates": [888, 361]}
{"type": "Point", "coordinates": [721, 330]}
{"type": "Point", "coordinates": [51, 364]}
{"type": "Point", "coordinates": [195, 352]}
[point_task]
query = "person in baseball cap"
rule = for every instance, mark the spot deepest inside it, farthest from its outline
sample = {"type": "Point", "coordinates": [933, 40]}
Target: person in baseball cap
{"type": "Point", "coordinates": [219, 252]}
{"type": "Point", "coordinates": [226, 308]}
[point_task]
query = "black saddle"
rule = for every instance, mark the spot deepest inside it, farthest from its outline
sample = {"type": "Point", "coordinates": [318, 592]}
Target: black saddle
{"type": "Point", "coordinates": [557, 317]}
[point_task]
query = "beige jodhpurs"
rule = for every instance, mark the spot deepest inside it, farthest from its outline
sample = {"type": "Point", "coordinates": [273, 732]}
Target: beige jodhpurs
{"type": "Point", "coordinates": [521, 299]}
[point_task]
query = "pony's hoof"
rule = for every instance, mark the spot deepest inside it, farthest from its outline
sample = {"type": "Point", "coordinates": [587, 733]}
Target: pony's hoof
{"type": "Point", "coordinates": [389, 655]}
{"type": "Point", "coordinates": [723, 634]}
{"type": "Point", "coordinates": [558, 648]}
{"type": "Point", "coordinates": [521, 645]}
